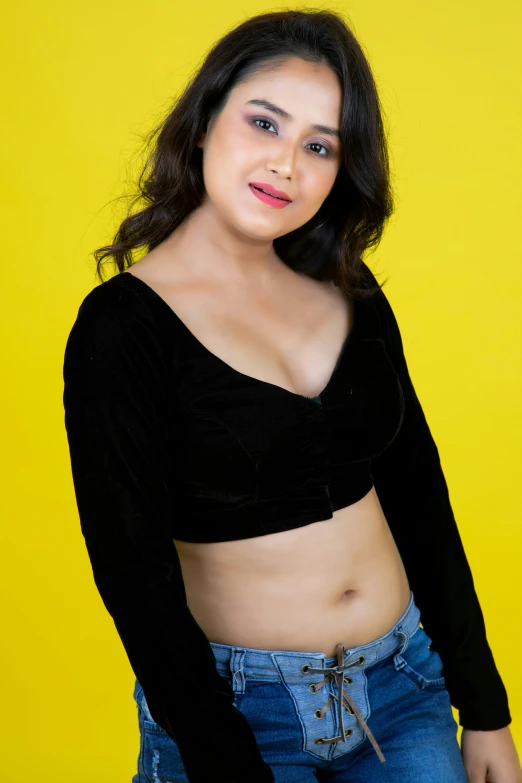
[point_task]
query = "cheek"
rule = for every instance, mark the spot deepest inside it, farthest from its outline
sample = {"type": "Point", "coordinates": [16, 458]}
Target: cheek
{"type": "Point", "coordinates": [230, 161]}
{"type": "Point", "coordinates": [314, 187]}
{"type": "Point", "coordinates": [320, 182]}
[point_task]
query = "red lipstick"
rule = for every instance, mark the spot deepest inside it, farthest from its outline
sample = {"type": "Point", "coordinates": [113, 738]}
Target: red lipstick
{"type": "Point", "coordinates": [272, 196]}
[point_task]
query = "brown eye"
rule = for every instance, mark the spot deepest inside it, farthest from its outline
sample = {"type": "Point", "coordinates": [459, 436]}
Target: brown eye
{"type": "Point", "coordinates": [260, 119]}
{"type": "Point", "coordinates": [327, 153]}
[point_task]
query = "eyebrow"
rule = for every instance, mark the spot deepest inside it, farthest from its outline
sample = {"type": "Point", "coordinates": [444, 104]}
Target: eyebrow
{"type": "Point", "coordinates": [282, 113]}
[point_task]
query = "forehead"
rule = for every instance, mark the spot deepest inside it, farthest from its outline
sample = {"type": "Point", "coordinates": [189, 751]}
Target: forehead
{"type": "Point", "coordinates": [295, 85]}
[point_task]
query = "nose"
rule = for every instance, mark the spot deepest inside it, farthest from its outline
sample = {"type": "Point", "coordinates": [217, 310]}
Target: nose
{"type": "Point", "coordinates": [283, 163]}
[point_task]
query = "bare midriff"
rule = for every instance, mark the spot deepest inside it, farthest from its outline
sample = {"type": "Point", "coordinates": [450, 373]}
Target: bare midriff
{"type": "Point", "coordinates": [306, 589]}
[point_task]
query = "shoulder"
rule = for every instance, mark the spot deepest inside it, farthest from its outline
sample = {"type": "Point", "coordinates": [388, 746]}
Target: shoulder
{"type": "Point", "coordinates": [369, 280]}
{"type": "Point", "coordinates": [382, 312]}
{"type": "Point", "coordinates": [114, 323]}
{"type": "Point", "coordinates": [113, 303]}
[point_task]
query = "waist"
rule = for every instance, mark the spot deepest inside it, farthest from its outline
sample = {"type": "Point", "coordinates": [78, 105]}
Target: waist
{"type": "Point", "coordinates": [299, 589]}
{"type": "Point", "coordinates": [273, 664]}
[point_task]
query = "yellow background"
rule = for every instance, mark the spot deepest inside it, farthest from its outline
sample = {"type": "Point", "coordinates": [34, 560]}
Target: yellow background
{"type": "Point", "coordinates": [83, 82]}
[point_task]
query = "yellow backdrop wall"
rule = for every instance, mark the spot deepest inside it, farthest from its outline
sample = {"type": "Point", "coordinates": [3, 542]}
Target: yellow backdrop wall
{"type": "Point", "coordinates": [82, 83]}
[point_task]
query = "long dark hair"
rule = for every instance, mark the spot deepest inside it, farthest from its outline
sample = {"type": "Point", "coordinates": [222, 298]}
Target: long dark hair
{"type": "Point", "coordinates": [352, 217]}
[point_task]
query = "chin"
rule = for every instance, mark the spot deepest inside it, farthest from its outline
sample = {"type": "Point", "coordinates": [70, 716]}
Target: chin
{"type": "Point", "coordinates": [257, 227]}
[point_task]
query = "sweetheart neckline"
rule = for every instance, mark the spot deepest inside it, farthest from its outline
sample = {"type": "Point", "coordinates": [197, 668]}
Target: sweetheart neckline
{"type": "Point", "coordinates": [348, 339]}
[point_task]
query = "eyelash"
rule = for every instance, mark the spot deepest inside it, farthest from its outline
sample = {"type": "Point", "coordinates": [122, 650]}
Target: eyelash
{"type": "Point", "coordinates": [264, 119]}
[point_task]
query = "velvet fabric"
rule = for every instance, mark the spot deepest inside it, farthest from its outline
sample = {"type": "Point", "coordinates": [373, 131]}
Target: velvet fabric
{"type": "Point", "coordinates": [168, 441]}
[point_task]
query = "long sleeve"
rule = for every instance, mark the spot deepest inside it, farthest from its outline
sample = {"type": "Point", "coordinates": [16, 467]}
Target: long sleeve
{"type": "Point", "coordinates": [117, 399]}
{"type": "Point", "coordinates": [413, 493]}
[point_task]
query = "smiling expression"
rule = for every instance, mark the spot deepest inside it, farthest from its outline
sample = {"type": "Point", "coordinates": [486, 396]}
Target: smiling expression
{"type": "Point", "coordinates": [280, 129]}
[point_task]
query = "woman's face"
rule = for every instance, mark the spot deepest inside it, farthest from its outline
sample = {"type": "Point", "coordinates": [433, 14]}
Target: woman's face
{"type": "Point", "coordinates": [248, 142]}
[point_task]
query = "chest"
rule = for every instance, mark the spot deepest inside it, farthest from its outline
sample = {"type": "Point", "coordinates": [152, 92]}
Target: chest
{"type": "Point", "coordinates": [237, 440]}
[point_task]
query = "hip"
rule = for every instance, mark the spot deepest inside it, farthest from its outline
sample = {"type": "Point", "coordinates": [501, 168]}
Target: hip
{"type": "Point", "coordinates": [379, 711]}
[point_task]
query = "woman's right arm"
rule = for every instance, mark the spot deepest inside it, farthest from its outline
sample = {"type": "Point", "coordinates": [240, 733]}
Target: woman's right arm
{"type": "Point", "coordinates": [117, 400]}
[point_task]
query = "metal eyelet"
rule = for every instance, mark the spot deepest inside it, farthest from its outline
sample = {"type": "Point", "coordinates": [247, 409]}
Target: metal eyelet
{"type": "Point", "coordinates": [305, 668]}
{"type": "Point", "coordinates": [319, 741]}
{"type": "Point", "coordinates": [312, 688]}
{"type": "Point", "coordinates": [318, 715]}
{"type": "Point", "coordinates": [361, 660]}
{"type": "Point", "coordinates": [348, 680]}
{"type": "Point", "coordinates": [348, 732]}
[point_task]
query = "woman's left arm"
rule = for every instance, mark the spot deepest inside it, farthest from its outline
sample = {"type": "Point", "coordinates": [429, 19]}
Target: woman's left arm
{"type": "Point", "coordinates": [413, 493]}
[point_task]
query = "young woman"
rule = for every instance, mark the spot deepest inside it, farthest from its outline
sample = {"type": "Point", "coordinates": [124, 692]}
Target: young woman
{"type": "Point", "coordinates": [262, 500]}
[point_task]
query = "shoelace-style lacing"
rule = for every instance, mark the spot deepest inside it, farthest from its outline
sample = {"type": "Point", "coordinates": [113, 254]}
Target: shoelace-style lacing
{"type": "Point", "coordinates": [336, 672]}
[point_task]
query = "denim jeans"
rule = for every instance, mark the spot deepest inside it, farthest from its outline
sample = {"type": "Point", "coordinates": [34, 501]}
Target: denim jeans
{"type": "Point", "coordinates": [395, 682]}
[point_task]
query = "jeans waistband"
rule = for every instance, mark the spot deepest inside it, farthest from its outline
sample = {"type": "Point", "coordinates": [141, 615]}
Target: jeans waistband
{"type": "Point", "coordinates": [262, 663]}
{"type": "Point", "coordinates": [293, 666]}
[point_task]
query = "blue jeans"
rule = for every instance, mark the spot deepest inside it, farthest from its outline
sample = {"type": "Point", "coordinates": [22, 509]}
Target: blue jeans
{"type": "Point", "coordinates": [394, 683]}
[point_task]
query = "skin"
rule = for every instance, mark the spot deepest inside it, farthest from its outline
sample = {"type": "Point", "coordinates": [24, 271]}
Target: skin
{"type": "Point", "coordinates": [219, 272]}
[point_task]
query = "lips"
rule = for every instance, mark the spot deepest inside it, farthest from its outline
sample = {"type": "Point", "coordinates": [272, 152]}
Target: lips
{"type": "Point", "coordinates": [271, 201]}
{"type": "Point", "coordinates": [270, 190]}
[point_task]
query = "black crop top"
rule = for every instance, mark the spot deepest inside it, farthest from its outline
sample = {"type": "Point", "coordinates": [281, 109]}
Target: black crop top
{"type": "Point", "coordinates": [168, 441]}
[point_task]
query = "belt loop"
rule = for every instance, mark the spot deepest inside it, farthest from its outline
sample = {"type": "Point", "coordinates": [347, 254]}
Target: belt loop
{"type": "Point", "coordinates": [398, 660]}
{"type": "Point", "coordinates": [236, 667]}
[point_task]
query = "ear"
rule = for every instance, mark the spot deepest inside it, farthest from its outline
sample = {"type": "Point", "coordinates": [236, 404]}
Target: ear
{"type": "Point", "coordinates": [204, 134]}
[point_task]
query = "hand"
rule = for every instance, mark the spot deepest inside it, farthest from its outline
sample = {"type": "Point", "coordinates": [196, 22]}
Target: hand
{"type": "Point", "coordinates": [490, 756]}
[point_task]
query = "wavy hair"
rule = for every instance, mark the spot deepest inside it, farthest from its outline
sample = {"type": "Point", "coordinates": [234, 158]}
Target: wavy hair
{"type": "Point", "coordinates": [351, 219]}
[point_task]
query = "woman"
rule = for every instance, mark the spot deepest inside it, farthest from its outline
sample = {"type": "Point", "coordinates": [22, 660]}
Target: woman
{"type": "Point", "coordinates": [260, 494]}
